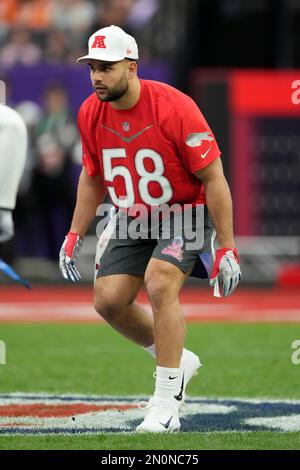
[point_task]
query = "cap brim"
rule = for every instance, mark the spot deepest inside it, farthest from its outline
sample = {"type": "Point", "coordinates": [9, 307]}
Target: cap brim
{"type": "Point", "coordinates": [104, 58]}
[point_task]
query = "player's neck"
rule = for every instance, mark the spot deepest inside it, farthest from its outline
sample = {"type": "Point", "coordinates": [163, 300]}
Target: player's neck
{"type": "Point", "coordinates": [130, 98]}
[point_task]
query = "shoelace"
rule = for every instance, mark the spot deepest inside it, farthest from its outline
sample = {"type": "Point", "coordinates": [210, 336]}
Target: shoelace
{"type": "Point", "coordinates": [145, 405]}
{"type": "Point", "coordinates": [155, 407]}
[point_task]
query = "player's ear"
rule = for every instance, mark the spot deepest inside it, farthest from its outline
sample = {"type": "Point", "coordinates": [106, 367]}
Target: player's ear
{"type": "Point", "coordinates": [131, 68]}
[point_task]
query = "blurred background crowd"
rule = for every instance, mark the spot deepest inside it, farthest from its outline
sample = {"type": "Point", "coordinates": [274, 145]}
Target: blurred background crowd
{"type": "Point", "coordinates": [204, 47]}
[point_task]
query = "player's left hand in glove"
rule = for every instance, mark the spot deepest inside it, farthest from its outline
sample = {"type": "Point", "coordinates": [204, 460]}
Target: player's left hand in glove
{"type": "Point", "coordinates": [226, 268]}
{"type": "Point", "coordinates": [68, 256]}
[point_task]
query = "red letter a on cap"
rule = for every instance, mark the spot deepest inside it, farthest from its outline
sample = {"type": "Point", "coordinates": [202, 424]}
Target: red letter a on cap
{"type": "Point", "coordinates": [99, 42]}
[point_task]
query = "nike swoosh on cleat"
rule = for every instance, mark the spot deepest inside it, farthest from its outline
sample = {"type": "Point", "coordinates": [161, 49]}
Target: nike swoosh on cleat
{"type": "Point", "coordinates": [180, 394]}
{"type": "Point", "coordinates": [172, 378]}
{"type": "Point", "coordinates": [167, 424]}
{"type": "Point", "coordinates": [127, 139]}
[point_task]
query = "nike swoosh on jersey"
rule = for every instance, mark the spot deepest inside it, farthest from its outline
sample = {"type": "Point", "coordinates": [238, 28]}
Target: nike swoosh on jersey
{"type": "Point", "coordinates": [127, 139]}
{"type": "Point", "coordinates": [203, 155]}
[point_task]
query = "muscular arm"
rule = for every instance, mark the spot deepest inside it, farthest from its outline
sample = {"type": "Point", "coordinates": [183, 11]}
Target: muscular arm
{"type": "Point", "coordinates": [90, 193]}
{"type": "Point", "coordinates": [218, 201]}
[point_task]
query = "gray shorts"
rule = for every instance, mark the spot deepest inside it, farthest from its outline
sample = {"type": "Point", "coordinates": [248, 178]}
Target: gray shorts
{"type": "Point", "coordinates": [121, 254]}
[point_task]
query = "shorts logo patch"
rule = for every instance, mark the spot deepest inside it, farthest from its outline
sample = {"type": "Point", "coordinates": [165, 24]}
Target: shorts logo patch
{"type": "Point", "coordinates": [79, 414]}
{"type": "Point", "coordinates": [174, 249]}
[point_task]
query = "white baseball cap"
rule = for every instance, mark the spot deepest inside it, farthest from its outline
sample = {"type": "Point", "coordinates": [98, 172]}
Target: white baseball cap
{"type": "Point", "coordinates": [111, 44]}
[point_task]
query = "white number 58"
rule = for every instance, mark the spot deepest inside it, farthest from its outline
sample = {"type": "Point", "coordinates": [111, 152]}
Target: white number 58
{"type": "Point", "coordinates": [145, 177]}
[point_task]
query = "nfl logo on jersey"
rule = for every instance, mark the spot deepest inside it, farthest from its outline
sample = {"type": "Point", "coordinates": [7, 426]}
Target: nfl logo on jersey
{"type": "Point", "coordinates": [125, 126]}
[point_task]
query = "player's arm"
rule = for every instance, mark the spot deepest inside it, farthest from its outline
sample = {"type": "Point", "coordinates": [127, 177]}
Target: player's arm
{"type": "Point", "coordinates": [219, 205]}
{"type": "Point", "coordinates": [90, 193]}
{"type": "Point", "coordinates": [200, 154]}
{"type": "Point", "coordinates": [218, 201]}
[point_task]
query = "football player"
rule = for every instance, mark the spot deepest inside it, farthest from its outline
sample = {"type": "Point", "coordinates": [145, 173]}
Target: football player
{"type": "Point", "coordinates": [148, 145]}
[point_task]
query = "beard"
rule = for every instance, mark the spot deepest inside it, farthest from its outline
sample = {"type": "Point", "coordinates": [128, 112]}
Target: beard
{"type": "Point", "coordinates": [114, 93]}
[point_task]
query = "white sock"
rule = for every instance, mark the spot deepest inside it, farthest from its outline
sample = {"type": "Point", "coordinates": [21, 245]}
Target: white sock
{"type": "Point", "coordinates": [166, 382]}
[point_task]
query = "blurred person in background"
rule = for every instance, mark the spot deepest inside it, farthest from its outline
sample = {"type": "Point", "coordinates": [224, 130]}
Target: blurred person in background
{"type": "Point", "coordinates": [8, 14]}
{"type": "Point", "coordinates": [112, 12]}
{"type": "Point", "coordinates": [71, 21]}
{"type": "Point", "coordinates": [31, 113]}
{"type": "Point", "coordinates": [57, 118]}
{"type": "Point", "coordinates": [136, 16]}
{"type": "Point", "coordinates": [57, 48]}
{"type": "Point", "coordinates": [27, 241]}
{"type": "Point", "coordinates": [53, 191]}
{"type": "Point", "coordinates": [35, 15]}
{"type": "Point", "coordinates": [73, 16]}
{"type": "Point", "coordinates": [20, 49]}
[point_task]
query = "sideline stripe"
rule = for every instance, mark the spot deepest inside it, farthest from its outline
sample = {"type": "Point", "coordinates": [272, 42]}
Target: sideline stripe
{"type": "Point", "coordinates": [45, 312]}
{"type": "Point", "coordinates": [74, 305]}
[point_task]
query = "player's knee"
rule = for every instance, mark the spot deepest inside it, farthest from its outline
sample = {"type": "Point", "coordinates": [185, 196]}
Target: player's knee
{"type": "Point", "coordinates": [160, 288]}
{"type": "Point", "coordinates": [109, 303]}
{"type": "Point", "coordinates": [106, 305]}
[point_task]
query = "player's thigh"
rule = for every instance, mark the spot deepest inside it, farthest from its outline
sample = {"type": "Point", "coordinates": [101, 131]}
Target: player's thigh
{"type": "Point", "coordinates": [124, 254]}
{"type": "Point", "coordinates": [116, 291]}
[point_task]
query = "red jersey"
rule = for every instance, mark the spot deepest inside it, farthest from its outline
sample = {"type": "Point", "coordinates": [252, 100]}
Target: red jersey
{"type": "Point", "coordinates": [148, 154]}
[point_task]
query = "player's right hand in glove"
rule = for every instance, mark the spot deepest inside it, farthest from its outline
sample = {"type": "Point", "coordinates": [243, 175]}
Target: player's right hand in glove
{"type": "Point", "coordinates": [226, 268]}
{"type": "Point", "coordinates": [68, 256]}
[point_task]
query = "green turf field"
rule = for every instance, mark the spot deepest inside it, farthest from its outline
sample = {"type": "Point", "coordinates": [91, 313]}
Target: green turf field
{"type": "Point", "coordinates": [252, 361]}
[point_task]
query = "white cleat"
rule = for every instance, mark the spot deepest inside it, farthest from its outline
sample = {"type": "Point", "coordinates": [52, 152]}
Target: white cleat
{"type": "Point", "coordinates": [189, 367]}
{"type": "Point", "coordinates": [162, 416]}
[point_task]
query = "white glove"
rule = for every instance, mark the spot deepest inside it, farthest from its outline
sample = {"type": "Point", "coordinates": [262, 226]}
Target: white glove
{"type": "Point", "coordinates": [68, 256]}
{"type": "Point", "coordinates": [226, 267]}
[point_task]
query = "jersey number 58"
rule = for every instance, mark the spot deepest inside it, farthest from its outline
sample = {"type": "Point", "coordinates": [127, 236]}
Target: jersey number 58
{"type": "Point", "coordinates": [146, 177]}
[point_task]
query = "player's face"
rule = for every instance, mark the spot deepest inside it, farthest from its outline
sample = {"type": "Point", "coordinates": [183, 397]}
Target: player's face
{"type": "Point", "coordinates": [109, 79]}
